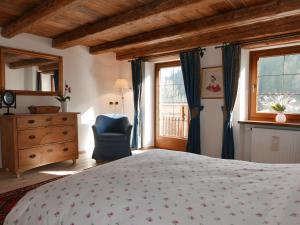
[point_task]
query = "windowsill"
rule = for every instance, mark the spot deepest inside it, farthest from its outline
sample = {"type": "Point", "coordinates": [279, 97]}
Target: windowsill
{"type": "Point", "coordinates": [270, 123]}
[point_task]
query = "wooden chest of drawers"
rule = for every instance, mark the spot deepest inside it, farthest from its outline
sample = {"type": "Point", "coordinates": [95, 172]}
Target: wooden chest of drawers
{"type": "Point", "coordinates": [33, 140]}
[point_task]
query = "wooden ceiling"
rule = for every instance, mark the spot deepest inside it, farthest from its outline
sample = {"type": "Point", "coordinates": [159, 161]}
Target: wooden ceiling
{"type": "Point", "coordinates": [138, 28]}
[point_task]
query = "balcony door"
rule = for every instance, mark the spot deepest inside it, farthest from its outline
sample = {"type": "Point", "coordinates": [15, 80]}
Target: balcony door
{"type": "Point", "coordinates": [171, 107]}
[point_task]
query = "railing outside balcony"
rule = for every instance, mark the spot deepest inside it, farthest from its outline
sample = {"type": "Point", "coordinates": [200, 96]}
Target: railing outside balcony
{"type": "Point", "coordinates": [174, 123]}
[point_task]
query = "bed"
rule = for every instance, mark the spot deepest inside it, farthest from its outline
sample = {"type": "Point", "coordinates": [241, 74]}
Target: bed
{"type": "Point", "coordinates": [166, 187]}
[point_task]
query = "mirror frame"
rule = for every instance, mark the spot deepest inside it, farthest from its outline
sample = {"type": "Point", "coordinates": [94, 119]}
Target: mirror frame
{"type": "Point", "coordinates": [59, 59]}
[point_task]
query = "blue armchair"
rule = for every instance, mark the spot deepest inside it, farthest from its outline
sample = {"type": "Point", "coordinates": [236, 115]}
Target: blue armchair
{"type": "Point", "coordinates": [112, 137]}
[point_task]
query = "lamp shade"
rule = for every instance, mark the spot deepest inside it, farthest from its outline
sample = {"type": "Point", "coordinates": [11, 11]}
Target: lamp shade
{"type": "Point", "coordinates": [121, 84]}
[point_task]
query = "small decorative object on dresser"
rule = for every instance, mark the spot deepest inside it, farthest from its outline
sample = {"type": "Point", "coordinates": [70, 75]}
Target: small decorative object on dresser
{"type": "Point", "coordinates": [31, 141]}
{"type": "Point", "coordinates": [43, 109]}
{"type": "Point", "coordinates": [64, 98]}
{"type": "Point", "coordinates": [8, 99]}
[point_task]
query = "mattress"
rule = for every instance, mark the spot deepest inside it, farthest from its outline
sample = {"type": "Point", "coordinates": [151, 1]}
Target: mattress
{"type": "Point", "coordinates": [163, 187]}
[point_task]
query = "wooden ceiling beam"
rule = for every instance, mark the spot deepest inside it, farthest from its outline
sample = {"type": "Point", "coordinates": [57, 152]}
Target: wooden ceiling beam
{"type": "Point", "coordinates": [29, 62]}
{"type": "Point", "coordinates": [49, 67]}
{"type": "Point", "coordinates": [281, 40]}
{"type": "Point", "coordinates": [88, 31]}
{"type": "Point", "coordinates": [41, 12]}
{"type": "Point", "coordinates": [265, 12]}
{"type": "Point", "coordinates": [262, 30]}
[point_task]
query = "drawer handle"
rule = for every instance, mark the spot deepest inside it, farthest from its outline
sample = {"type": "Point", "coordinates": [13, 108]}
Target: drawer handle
{"type": "Point", "coordinates": [50, 150]}
{"type": "Point", "coordinates": [31, 137]}
{"type": "Point", "coordinates": [32, 156]}
{"type": "Point", "coordinates": [31, 121]}
{"type": "Point", "coordinates": [64, 118]}
{"type": "Point", "coordinates": [65, 132]}
{"type": "Point", "coordinates": [49, 119]}
{"type": "Point", "coordinates": [66, 149]}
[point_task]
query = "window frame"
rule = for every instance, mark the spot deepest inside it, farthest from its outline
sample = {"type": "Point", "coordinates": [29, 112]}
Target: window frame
{"type": "Point", "coordinates": [253, 90]}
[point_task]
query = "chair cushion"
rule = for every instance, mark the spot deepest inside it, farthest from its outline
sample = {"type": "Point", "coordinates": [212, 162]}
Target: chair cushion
{"type": "Point", "coordinates": [112, 137]}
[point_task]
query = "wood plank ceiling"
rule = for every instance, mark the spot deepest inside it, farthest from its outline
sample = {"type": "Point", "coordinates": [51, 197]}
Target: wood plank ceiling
{"type": "Point", "coordinates": [143, 28]}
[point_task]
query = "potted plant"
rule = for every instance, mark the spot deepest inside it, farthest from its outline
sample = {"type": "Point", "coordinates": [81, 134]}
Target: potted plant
{"type": "Point", "coordinates": [64, 98]}
{"type": "Point", "coordinates": [279, 108]}
{"type": "Point", "coordinates": [279, 103]}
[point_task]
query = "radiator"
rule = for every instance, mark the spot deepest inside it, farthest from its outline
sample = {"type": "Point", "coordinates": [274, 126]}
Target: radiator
{"type": "Point", "coordinates": [275, 146]}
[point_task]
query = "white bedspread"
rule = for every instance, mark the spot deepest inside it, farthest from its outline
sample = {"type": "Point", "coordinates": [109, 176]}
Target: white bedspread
{"type": "Point", "coordinates": [166, 187]}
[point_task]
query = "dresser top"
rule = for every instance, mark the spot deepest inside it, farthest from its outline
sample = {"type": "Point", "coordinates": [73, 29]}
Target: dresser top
{"type": "Point", "coordinates": [39, 114]}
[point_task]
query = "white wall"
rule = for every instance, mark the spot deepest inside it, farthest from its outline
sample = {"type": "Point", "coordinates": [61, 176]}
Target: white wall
{"type": "Point", "coordinates": [46, 82]}
{"type": "Point", "coordinates": [211, 119]}
{"type": "Point", "coordinates": [91, 79]}
{"type": "Point", "coordinates": [241, 108]}
{"type": "Point", "coordinates": [30, 74]}
{"type": "Point", "coordinates": [148, 109]}
{"type": "Point", "coordinates": [16, 79]}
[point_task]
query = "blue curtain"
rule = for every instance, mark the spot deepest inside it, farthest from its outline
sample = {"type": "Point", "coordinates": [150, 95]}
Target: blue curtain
{"type": "Point", "coordinates": [231, 68]}
{"type": "Point", "coordinates": [56, 80]}
{"type": "Point", "coordinates": [190, 65]}
{"type": "Point", "coordinates": [38, 81]}
{"type": "Point", "coordinates": [137, 80]}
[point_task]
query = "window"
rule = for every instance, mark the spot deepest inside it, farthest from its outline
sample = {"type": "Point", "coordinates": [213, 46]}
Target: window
{"type": "Point", "coordinates": [275, 78]}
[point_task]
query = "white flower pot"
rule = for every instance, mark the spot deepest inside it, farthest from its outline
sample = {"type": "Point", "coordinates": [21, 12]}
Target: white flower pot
{"type": "Point", "coordinates": [64, 106]}
{"type": "Point", "coordinates": [280, 118]}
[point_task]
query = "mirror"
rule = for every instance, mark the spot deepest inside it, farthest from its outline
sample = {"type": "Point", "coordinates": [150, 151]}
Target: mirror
{"type": "Point", "coordinates": [30, 73]}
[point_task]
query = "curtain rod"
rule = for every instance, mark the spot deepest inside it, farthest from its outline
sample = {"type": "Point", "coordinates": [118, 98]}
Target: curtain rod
{"type": "Point", "coordinates": [201, 50]}
{"type": "Point", "coordinates": [261, 40]}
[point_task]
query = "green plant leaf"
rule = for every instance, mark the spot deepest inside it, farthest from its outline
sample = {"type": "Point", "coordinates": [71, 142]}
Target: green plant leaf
{"type": "Point", "coordinates": [278, 107]}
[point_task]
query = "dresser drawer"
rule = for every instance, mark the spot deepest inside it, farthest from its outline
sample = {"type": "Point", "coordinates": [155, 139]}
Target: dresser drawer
{"type": "Point", "coordinates": [33, 157]}
{"type": "Point", "coordinates": [64, 119]}
{"type": "Point", "coordinates": [33, 121]}
{"type": "Point", "coordinates": [45, 120]}
{"type": "Point", "coordinates": [59, 152]}
{"type": "Point", "coordinates": [46, 135]}
{"type": "Point", "coordinates": [30, 158]}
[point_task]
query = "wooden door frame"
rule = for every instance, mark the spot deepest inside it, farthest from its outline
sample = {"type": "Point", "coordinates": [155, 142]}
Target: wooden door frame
{"type": "Point", "coordinates": [178, 144]}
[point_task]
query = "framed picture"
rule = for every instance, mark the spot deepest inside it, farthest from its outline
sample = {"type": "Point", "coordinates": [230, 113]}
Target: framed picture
{"type": "Point", "coordinates": [212, 82]}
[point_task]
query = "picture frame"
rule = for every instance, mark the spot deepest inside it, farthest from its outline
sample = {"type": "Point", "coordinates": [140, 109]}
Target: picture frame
{"type": "Point", "coordinates": [212, 82]}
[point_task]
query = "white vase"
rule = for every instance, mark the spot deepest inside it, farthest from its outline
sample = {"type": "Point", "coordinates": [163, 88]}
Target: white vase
{"type": "Point", "coordinates": [280, 118]}
{"type": "Point", "coordinates": [64, 106]}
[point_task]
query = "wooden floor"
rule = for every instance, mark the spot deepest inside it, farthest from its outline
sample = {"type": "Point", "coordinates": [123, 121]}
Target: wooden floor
{"type": "Point", "coordinates": [8, 181]}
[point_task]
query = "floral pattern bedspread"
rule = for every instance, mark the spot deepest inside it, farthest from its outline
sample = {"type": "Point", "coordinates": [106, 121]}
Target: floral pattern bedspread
{"type": "Point", "coordinates": [163, 187]}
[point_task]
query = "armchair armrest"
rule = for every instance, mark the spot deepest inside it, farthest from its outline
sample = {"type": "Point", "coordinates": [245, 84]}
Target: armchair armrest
{"type": "Point", "coordinates": [128, 132]}
{"type": "Point", "coordinates": [95, 132]}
